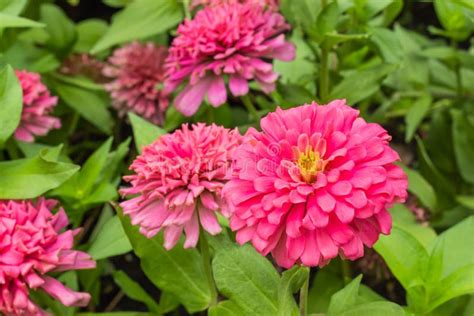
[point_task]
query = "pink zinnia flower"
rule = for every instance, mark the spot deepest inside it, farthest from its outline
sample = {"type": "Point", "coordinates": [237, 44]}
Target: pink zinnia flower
{"type": "Point", "coordinates": [37, 105]}
{"type": "Point", "coordinates": [178, 180]}
{"type": "Point", "coordinates": [272, 4]}
{"type": "Point", "coordinates": [315, 183]}
{"type": "Point", "coordinates": [137, 72]}
{"type": "Point", "coordinates": [31, 246]}
{"type": "Point", "coordinates": [230, 41]}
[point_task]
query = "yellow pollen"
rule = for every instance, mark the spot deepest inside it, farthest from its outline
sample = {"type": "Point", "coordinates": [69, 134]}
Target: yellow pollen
{"type": "Point", "coordinates": [310, 163]}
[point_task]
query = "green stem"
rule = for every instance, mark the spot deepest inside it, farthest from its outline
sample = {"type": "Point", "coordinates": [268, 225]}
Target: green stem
{"type": "Point", "coordinates": [206, 260]}
{"type": "Point", "coordinates": [324, 68]}
{"type": "Point", "coordinates": [187, 13]}
{"type": "Point", "coordinates": [346, 271]}
{"type": "Point", "coordinates": [74, 121]}
{"type": "Point", "coordinates": [304, 297]}
{"type": "Point", "coordinates": [250, 107]}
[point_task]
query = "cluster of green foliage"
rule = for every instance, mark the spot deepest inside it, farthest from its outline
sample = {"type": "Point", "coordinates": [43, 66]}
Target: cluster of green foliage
{"type": "Point", "coordinates": [417, 83]}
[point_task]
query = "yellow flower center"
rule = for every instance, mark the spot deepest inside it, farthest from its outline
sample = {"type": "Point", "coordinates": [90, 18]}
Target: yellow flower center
{"type": "Point", "coordinates": [310, 163]}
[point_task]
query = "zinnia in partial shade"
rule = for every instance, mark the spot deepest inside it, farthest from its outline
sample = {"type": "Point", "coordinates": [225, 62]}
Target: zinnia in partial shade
{"type": "Point", "coordinates": [271, 4]}
{"type": "Point", "coordinates": [177, 183]}
{"type": "Point", "coordinates": [32, 244]}
{"type": "Point", "coordinates": [234, 42]}
{"type": "Point", "coordinates": [37, 107]}
{"type": "Point", "coordinates": [315, 183]}
{"type": "Point", "coordinates": [137, 73]}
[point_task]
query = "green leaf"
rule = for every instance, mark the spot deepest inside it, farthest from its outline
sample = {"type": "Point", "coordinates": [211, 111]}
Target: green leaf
{"type": "Point", "coordinates": [373, 309]}
{"type": "Point", "coordinates": [245, 277]}
{"type": "Point", "coordinates": [361, 84]}
{"type": "Point", "coordinates": [327, 19]}
{"type": "Point", "coordinates": [61, 30]}
{"type": "Point", "coordinates": [327, 282]}
{"type": "Point", "coordinates": [116, 314]}
{"type": "Point", "coordinates": [466, 200]}
{"type": "Point", "coordinates": [403, 218]}
{"type": "Point", "coordinates": [31, 177]}
{"type": "Point", "coordinates": [291, 282]}
{"type": "Point", "coordinates": [133, 290]}
{"type": "Point", "coordinates": [111, 241]}
{"type": "Point", "coordinates": [13, 7]}
{"type": "Point", "coordinates": [89, 104]}
{"type": "Point", "coordinates": [345, 298]}
{"type": "Point", "coordinates": [418, 186]}
{"type": "Point", "coordinates": [7, 21]}
{"type": "Point", "coordinates": [415, 115]}
{"type": "Point", "coordinates": [11, 103]}
{"type": "Point", "coordinates": [226, 308]}
{"type": "Point", "coordinates": [140, 19]}
{"type": "Point", "coordinates": [144, 132]}
{"type": "Point", "coordinates": [453, 19]}
{"type": "Point", "coordinates": [463, 140]}
{"type": "Point", "coordinates": [177, 271]}
{"type": "Point", "coordinates": [404, 255]}
{"type": "Point", "coordinates": [116, 3]}
{"type": "Point", "coordinates": [89, 32]}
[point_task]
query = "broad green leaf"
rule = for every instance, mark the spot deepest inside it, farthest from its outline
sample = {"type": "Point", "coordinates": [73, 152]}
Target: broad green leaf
{"type": "Point", "coordinates": [11, 103]}
{"type": "Point", "coordinates": [373, 309]}
{"type": "Point", "coordinates": [404, 255]}
{"type": "Point", "coordinates": [27, 56]}
{"type": "Point", "coordinates": [387, 43]}
{"type": "Point", "coordinates": [463, 140]}
{"type": "Point", "coordinates": [13, 7]}
{"type": "Point", "coordinates": [415, 115]}
{"type": "Point", "coordinates": [116, 314]}
{"type": "Point", "coordinates": [7, 21]}
{"type": "Point", "coordinates": [116, 3]}
{"type": "Point", "coordinates": [61, 30]}
{"type": "Point", "coordinates": [245, 277]}
{"type": "Point", "coordinates": [345, 298]}
{"type": "Point", "coordinates": [144, 132]}
{"type": "Point", "coordinates": [111, 241]}
{"type": "Point", "coordinates": [177, 271]}
{"type": "Point", "coordinates": [133, 290]}
{"type": "Point", "coordinates": [140, 19]}
{"type": "Point", "coordinates": [291, 281]}
{"type": "Point", "coordinates": [91, 105]}
{"type": "Point", "coordinates": [418, 186]}
{"type": "Point", "coordinates": [327, 282]}
{"type": "Point", "coordinates": [226, 308]}
{"type": "Point", "coordinates": [466, 200]}
{"type": "Point", "coordinates": [361, 84]}
{"type": "Point", "coordinates": [327, 19]}
{"type": "Point", "coordinates": [403, 218]}
{"type": "Point", "coordinates": [31, 177]}
{"type": "Point", "coordinates": [31, 150]}
{"type": "Point", "coordinates": [453, 19]}
{"type": "Point", "coordinates": [89, 32]}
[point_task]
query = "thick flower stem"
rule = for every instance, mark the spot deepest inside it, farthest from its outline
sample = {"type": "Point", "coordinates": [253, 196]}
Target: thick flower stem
{"type": "Point", "coordinates": [250, 107]}
{"type": "Point", "coordinates": [304, 297]}
{"type": "Point", "coordinates": [206, 260]}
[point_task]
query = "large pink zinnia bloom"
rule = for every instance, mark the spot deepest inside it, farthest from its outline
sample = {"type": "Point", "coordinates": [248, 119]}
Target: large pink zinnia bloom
{"type": "Point", "coordinates": [229, 41]}
{"type": "Point", "coordinates": [31, 245]}
{"type": "Point", "coordinates": [178, 180]}
{"type": "Point", "coordinates": [37, 105]}
{"type": "Point", "coordinates": [137, 71]}
{"type": "Point", "coordinates": [315, 183]}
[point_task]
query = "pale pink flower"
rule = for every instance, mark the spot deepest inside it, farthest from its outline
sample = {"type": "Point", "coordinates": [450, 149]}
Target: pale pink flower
{"type": "Point", "coordinates": [177, 183]}
{"type": "Point", "coordinates": [32, 244]}
{"type": "Point", "coordinates": [235, 42]}
{"type": "Point", "coordinates": [137, 72]}
{"type": "Point", "coordinates": [272, 4]}
{"type": "Point", "coordinates": [315, 183]}
{"type": "Point", "coordinates": [37, 107]}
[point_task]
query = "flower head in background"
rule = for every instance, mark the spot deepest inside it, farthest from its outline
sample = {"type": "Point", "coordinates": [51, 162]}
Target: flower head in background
{"type": "Point", "coordinates": [85, 65]}
{"type": "Point", "coordinates": [177, 183]}
{"type": "Point", "coordinates": [315, 183]}
{"type": "Point", "coordinates": [271, 4]}
{"type": "Point", "coordinates": [234, 42]}
{"type": "Point", "coordinates": [137, 73]}
{"type": "Point", "coordinates": [32, 244]}
{"type": "Point", "coordinates": [37, 107]}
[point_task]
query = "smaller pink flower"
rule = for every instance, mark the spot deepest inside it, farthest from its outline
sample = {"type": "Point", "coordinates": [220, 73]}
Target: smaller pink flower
{"type": "Point", "coordinates": [177, 183]}
{"type": "Point", "coordinates": [137, 73]}
{"type": "Point", "coordinates": [227, 44]}
{"type": "Point", "coordinates": [32, 244]}
{"type": "Point", "coordinates": [37, 105]}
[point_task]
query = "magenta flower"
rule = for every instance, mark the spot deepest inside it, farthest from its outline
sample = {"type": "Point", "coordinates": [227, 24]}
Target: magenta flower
{"type": "Point", "coordinates": [178, 180]}
{"type": "Point", "coordinates": [137, 73]}
{"type": "Point", "coordinates": [37, 105]}
{"type": "Point", "coordinates": [234, 42]}
{"type": "Point", "coordinates": [315, 183]}
{"type": "Point", "coordinates": [31, 246]}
